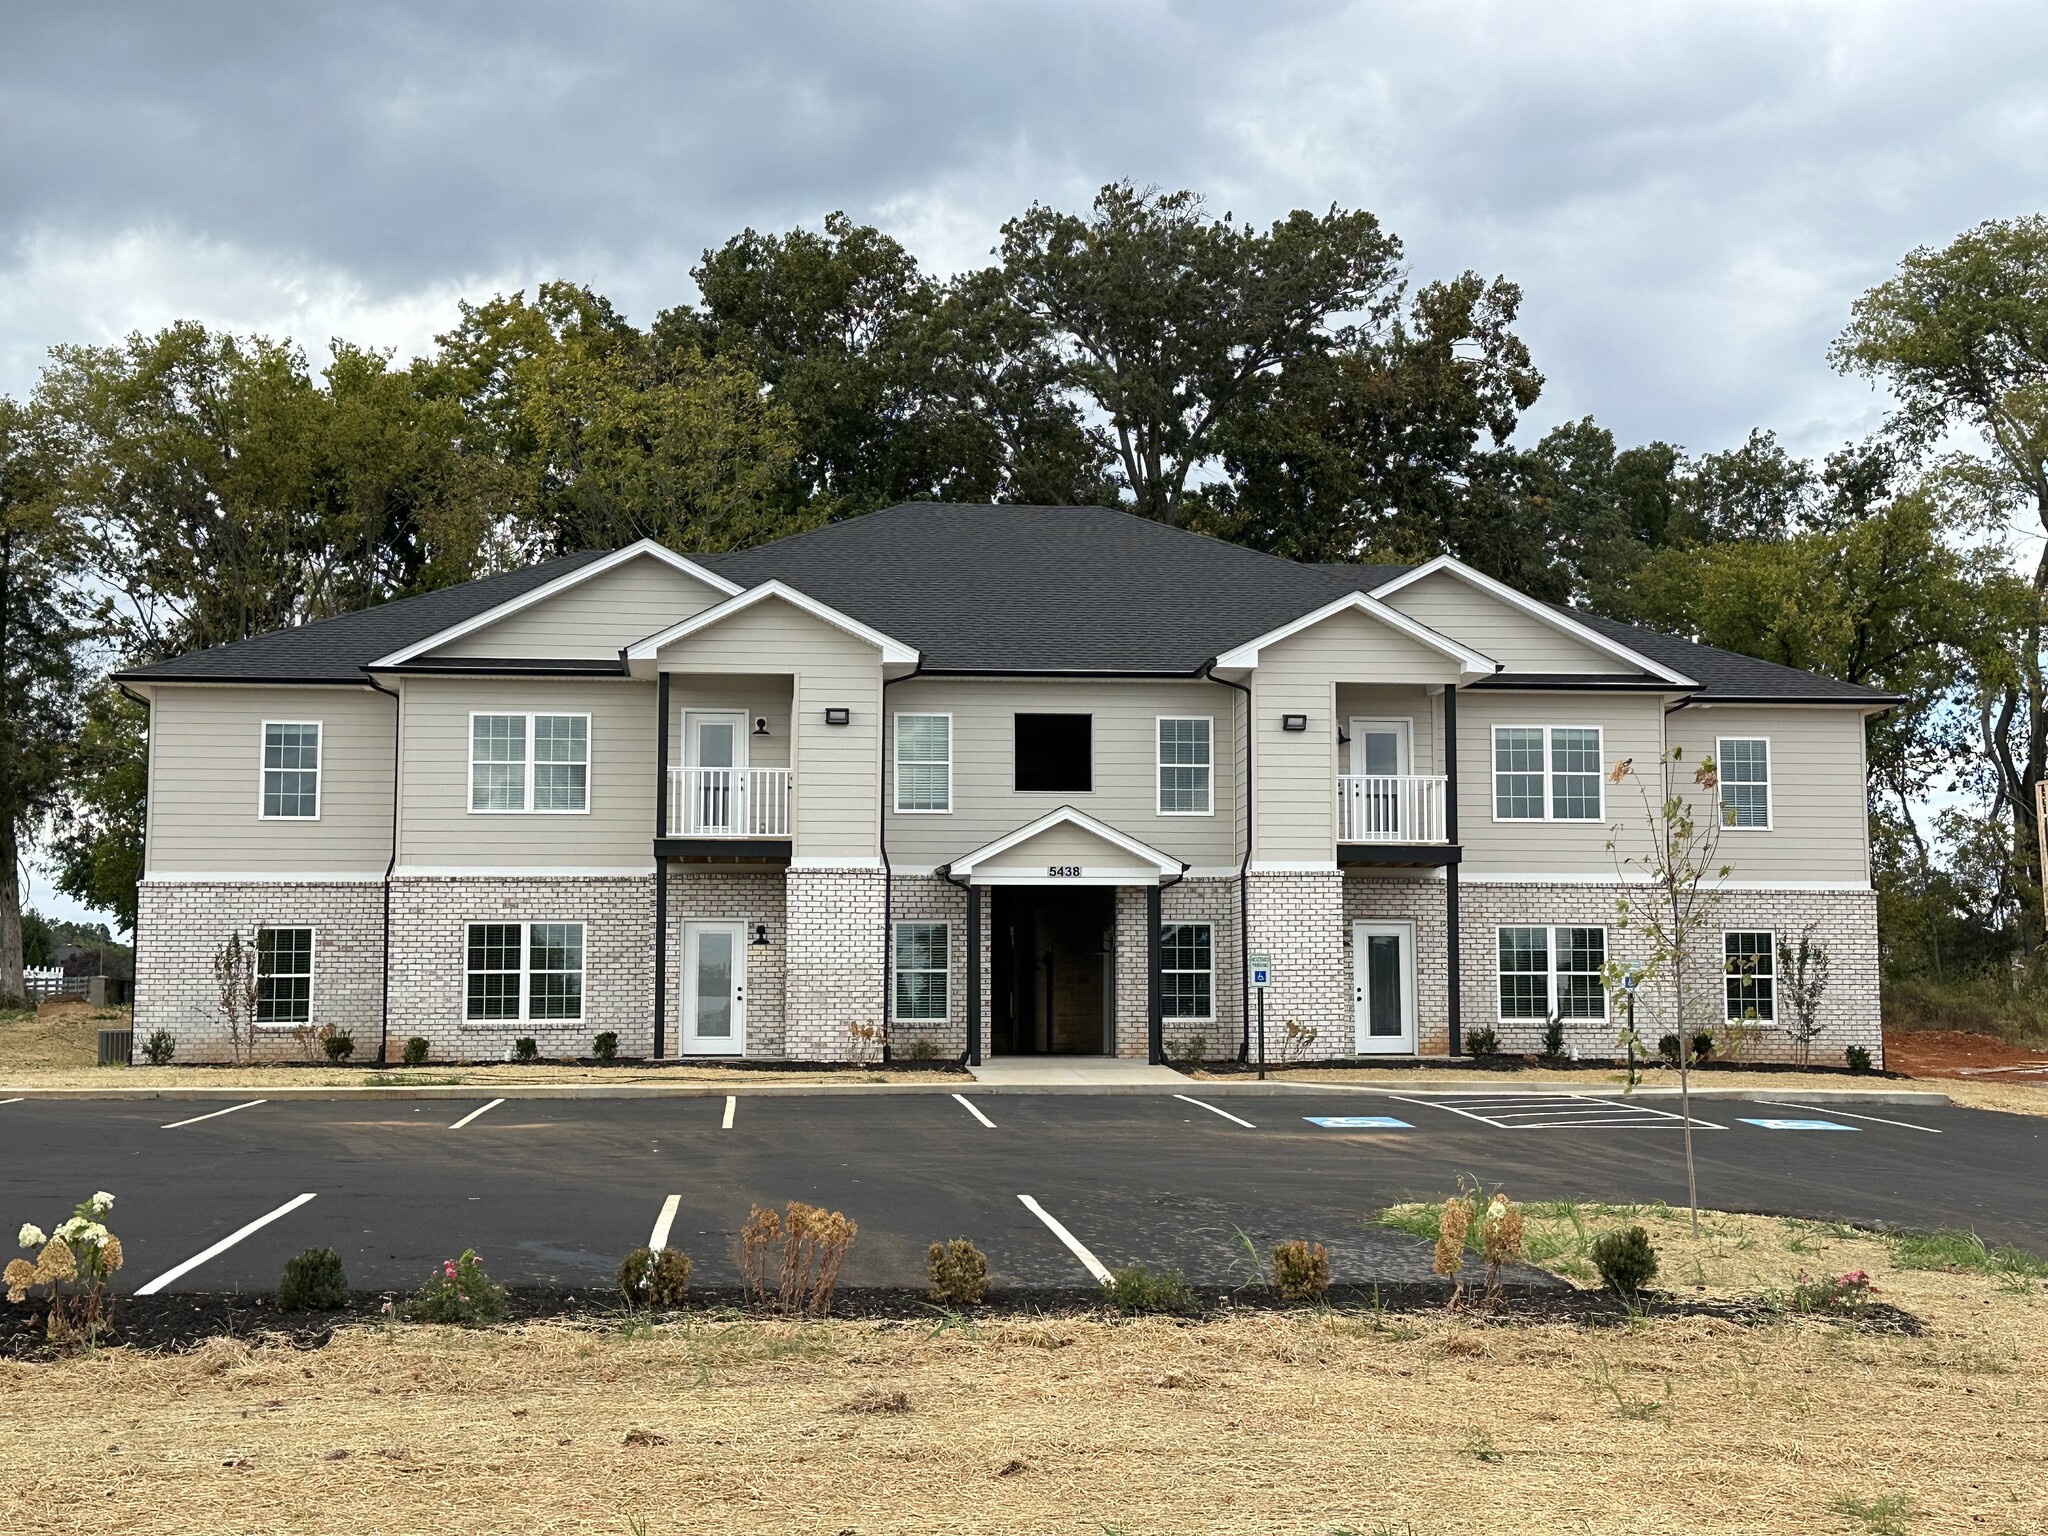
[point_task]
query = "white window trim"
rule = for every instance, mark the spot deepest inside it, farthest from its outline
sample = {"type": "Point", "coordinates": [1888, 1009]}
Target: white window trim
{"type": "Point", "coordinates": [897, 969]}
{"type": "Point", "coordinates": [1770, 788]}
{"type": "Point", "coordinates": [526, 927]}
{"type": "Point", "coordinates": [526, 806]}
{"type": "Point", "coordinates": [1772, 935]}
{"type": "Point", "coordinates": [1550, 975]}
{"type": "Point", "coordinates": [312, 964]}
{"type": "Point", "coordinates": [1189, 1018]}
{"type": "Point", "coordinates": [896, 761]}
{"type": "Point", "coordinates": [263, 768]}
{"type": "Point", "coordinates": [1549, 773]}
{"type": "Point", "coordinates": [1160, 765]}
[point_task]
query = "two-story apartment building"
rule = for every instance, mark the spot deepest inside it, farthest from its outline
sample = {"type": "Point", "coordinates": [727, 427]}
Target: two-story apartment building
{"type": "Point", "coordinates": [990, 780]}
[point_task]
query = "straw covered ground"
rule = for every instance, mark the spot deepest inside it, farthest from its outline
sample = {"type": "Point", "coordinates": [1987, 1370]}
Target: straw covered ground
{"type": "Point", "coordinates": [1304, 1421]}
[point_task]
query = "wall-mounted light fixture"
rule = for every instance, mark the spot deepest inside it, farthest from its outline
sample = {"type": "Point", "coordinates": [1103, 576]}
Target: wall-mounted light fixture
{"type": "Point", "coordinates": [760, 935]}
{"type": "Point", "coordinates": [760, 725]}
{"type": "Point", "coordinates": [1343, 737]}
{"type": "Point", "coordinates": [1294, 722]}
{"type": "Point", "coordinates": [836, 715]}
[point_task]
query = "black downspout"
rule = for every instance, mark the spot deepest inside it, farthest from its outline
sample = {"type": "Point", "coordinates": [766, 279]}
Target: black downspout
{"type": "Point", "coordinates": [1454, 976]}
{"type": "Point", "coordinates": [384, 1002]}
{"type": "Point", "coordinates": [973, 1053]}
{"type": "Point", "coordinates": [1155, 1009]}
{"type": "Point", "coordinates": [661, 688]}
{"type": "Point", "coordinates": [883, 733]}
{"type": "Point", "coordinates": [1244, 937]}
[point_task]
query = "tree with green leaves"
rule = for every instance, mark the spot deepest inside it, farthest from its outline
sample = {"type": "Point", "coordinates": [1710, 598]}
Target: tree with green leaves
{"type": "Point", "coordinates": [96, 840]}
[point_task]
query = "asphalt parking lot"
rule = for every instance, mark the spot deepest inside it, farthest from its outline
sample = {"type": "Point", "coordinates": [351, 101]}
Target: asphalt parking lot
{"type": "Point", "coordinates": [554, 1192]}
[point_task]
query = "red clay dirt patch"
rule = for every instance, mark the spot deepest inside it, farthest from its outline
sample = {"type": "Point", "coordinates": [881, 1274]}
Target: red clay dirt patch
{"type": "Point", "coordinates": [1952, 1053]}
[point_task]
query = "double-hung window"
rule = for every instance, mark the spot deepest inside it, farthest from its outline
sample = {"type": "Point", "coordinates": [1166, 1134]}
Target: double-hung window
{"type": "Point", "coordinates": [1187, 971]}
{"type": "Point", "coordinates": [921, 973]}
{"type": "Point", "coordinates": [524, 971]}
{"type": "Point", "coordinates": [1545, 971]}
{"type": "Point", "coordinates": [924, 762]}
{"type": "Point", "coordinates": [284, 976]}
{"type": "Point", "coordinates": [1745, 768]}
{"type": "Point", "coordinates": [1186, 765]}
{"type": "Point", "coordinates": [529, 762]}
{"type": "Point", "coordinates": [1752, 975]}
{"type": "Point", "coordinates": [1546, 773]}
{"type": "Point", "coordinates": [291, 769]}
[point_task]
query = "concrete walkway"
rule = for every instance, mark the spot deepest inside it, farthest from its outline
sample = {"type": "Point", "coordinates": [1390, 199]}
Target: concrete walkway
{"type": "Point", "coordinates": [1074, 1072]}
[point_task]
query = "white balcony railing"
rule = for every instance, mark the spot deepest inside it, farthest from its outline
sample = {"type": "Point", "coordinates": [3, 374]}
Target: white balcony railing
{"type": "Point", "coordinates": [728, 802]}
{"type": "Point", "coordinates": [1390, 808]}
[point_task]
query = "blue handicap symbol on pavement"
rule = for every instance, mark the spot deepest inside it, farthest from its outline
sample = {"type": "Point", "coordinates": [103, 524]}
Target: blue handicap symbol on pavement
{"type": "Point", "coordinates": [1796, 1125]}
{"type": "Point", "coordinates": [1358, 1122]}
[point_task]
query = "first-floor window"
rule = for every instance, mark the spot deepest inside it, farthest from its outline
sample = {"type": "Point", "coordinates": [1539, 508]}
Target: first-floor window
{"type": "Point", "coordinates": [519, 971]}
{"type": "Point", "coordinates": [284, 975]}
{"type": "Point", "coordinates": [1751, 965]}
{"type": "Point", "coordinates": [1545, 971]}
{"type": "Point", "coordinates": [1186, 971]}
{"type": "Point", "coordinates": [921, 973]}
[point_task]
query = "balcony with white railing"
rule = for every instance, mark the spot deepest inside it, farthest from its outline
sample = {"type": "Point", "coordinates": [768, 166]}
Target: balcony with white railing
{"type": "Point", "coordinates": [728, 802]}
{"type": "Point", "coordinates": [1390, 808]}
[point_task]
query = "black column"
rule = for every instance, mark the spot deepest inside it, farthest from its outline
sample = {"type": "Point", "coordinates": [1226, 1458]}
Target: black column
{"type": "Point", "coordinates": [974, 975]}
{"type": "Point", "coordinates": [1155, 1022]}
{"type": "Point", "coordinates": [661, 867]}
{"type": "Point", "coordinates": [1452, 984]}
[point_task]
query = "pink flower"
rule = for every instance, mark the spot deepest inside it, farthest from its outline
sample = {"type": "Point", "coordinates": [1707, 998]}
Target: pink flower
{"type": "Point", "coordinates": [448, 1268]}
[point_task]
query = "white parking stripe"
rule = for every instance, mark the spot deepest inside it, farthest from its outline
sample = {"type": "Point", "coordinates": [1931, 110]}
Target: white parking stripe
{"type": "Point", "coordinates": [964, 1104]}
{"type": "Point", "coordinates": [667, 1219]}
{"type": "Point", "coordinates": [1561, 1112]}
{"type": "Point", "coordinates": [220, 1247]}
{"type": "Point", "coordinates": [732, 1103]}
{"type": "Point", "coordinates": [483, 1109]}
{"type": "Point", "coordinates": [10, 1101]}
{"type": "Point", "coordinates": [210, 1114]}
{"type": "Point", "coordinates": [1904, 1125]}
{"type": "Point", "coordinates": [1092, 1264]}
{"type": "Point", "coordinates": [1226, 1114]}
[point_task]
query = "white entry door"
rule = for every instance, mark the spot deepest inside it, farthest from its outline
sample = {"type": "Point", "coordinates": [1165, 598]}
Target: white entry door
{"type": "Point", "coordinates": [1379, 759]}
{"type": "Point", "coordinates": [715, 753]}
{"type": "Point", "coordinates": [1383, 987]}
{"type": "Point", "coordinates": [714, 989]}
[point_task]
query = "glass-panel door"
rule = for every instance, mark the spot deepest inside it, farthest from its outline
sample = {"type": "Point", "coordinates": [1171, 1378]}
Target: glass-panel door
{"type": "Point", "coordinates": [1383, 986]}
{"type": "Point", "coordinates": [1379, 760]}
{"type": "Point", "coordinates": [714, 989]}
{"type": "Point", "coordinates": [715, 753]}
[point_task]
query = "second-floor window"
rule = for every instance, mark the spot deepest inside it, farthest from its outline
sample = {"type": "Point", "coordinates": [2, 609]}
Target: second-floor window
{"type": "Point", "coordinates": [1546, 773]}
{"type": "Point", "coordinates": [1185, 766]}
{"type": "Point", "coordinates": [1055, 754]}
{"type": "Point", "coordinates": [1745, 768]}
{"type": "Point", "coordinates": [291, 769]}
{"type": "Point", "coordinates": [529, 762]}
{"type": "Point", "coordinates": [924, 762]}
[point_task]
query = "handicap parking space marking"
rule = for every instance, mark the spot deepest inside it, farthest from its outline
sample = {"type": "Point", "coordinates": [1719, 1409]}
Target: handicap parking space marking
{"type": "Point", "coordinates": [1226, 1114]}
{"type": "Point", "coordinates": [214, 1113]}
{"type": "Point", "coordinates": [658, 1239]}
{"type": "Point", "coordinates": [1795, 1125]}
{"type": "Point", "coordinates": [1089, 1262]}
{"type": "Point", "coordinates": [221, 1247]}
{"type": "Point", "coordinates": [969, 1105]}
{"type": "Point", "coordinates": [482, 1109]}
{"type": "Point", "coordinates": [1904, 1125]}
{"type": "Point", "coordinates": [1358, 1122]}
{"type": "Point", "coordinates": [732, 1104]}
{"type": "Point", "coordinates": [1560, 1112]}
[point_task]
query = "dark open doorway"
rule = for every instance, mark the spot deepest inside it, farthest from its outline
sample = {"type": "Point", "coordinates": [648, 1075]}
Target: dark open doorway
{"type": "Point", "coordinates": [1053, 973]}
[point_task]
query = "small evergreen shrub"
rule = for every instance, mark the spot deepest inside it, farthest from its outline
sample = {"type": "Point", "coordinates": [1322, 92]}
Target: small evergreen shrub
{"type": "Point", "coordinates": [1625, 1259]}
{"type": "Point", "coordinates": [1703, 1045]}
{"type": "Point", "coordinates": [655, 1277]}
{"type": "Point", "coordinates": [1136, 1291]}
{"type": "Point", "coordinates": [158, 1049]}
{"type": "Point", "coordinates": [1483, 1042]}
{"type": "Point", "coordinates": [1301, 1271]}
{"type": "Point", "coordinates": [1667, 1047]}
{"type": "Point", "coordinates": [1858, 1058]}
{"type": "Point", "coordinates": [461, 1293]}
{"type": "Point", "coordinates": [607, 1046]}
{"type": "Point", "coordinates": [959, 1273]}
{"type": "Point", "coordinates": [339, 1045]}
{"type": "Point", "coordinates": [525, 1050]}
{"type": "Point", "coordinates": [923, 1048]}
{"type": "Point", "coordinates": [1553, 1039]}
{"type": "Point", "coordinates": [313, 1282]}
{"type": "Point", "coordinates": [415, 1054]}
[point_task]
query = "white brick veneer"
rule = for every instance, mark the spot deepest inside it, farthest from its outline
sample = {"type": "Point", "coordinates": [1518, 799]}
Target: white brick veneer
{"type": "Point", "coordinates": [930, 899]}
{"type": "Point", "coordinates": [182, 924]}
{"type": "Point", "coordinates": [1213, 902]}
{"type": "Point", "coordinates": [1296, 920]}
{"type": "Point", "coordinates": [834, 964]}
{"type": "Point", "coordinates": [1398, 899]}
{"type": "Point", "coordinates": [751, 897]}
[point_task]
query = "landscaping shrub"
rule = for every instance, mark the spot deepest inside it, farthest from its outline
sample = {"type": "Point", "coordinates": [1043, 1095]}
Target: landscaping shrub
{"type": "Point", "coordinates": [1301, 1270]}
{"type": "Point", "coordinates": [1493, 1225]}
{"type": "Point", "coordinates": [1553, 1039]}
{"type": "Point", "coordinates": [1483, 1042]}
{"type": "Point", "coordinates": [607, 1046]}
{"type": "Point", "coordinates": [75, 1267]}
{"type": "Point", "coordinates": [313, 1282]}
{"type": "Point", "coordinates": [812, 1242]}
{"type": "Point", "coordinates": [1831, 1295]}
{"type": "Point", "coordinates": [1858, 1058]}
{"type": "Point", "coordinates": [923, 1048]}
{"type": "Point", "coordinates": [339, 1045]}
{"type": "Point", "coordinates": [1626, 1260]}
{"type": "Point", "coordinates": [524, 1049]}
{"type": "Point", "coordinates": [959, 1273]}
{"type": "Point", "coordinates": [1703, 1045]}
{"type": "Point", "coordinates": [655, 1277]}
{"type": "Point", "coordinates": [159, 1047]}
{"type": "Point", "coordinates": [1667, 1047]}
{"type": "Point", "coordinates": [1192, 1050]}
{"type": "Point", "coordinates": [415, 1054]}
{"type": "Point", "coordinates": [1136, 1291]}
{"type": "Point", "coordinates": [461, 1293]}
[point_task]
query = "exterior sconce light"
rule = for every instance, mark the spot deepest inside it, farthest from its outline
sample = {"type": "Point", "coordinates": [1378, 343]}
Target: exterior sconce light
{"type": "Point", "coordinates": [760, 935]}
{"type": "Point", "coordinates": [837, 715]}
{"type": "Point", "coordinates": [1294, 722]}
{"type": "Point", "coordinates": [760, 725]}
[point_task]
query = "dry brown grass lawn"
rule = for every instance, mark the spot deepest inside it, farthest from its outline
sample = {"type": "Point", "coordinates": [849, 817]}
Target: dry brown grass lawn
{"type": "Point", "coordinates": [1301, 1422]}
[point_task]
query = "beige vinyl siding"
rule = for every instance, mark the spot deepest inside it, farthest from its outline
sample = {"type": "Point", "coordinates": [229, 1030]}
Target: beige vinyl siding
{"type": "Point", "coordinates": [437, 830]}
{"type": "Point", "coordinates": [1422, 709]}
{"type": "Point", "coordinates": [755, 697]}
{"type": "Point", "coordinates": [836, 785]}
{"type": "Point", "coordinates": [1496, 629]}
{"type": "Point", "coordinates": [1126, 783]}
{"type": "Point", "coordinates": [205, 766]}
{"type": "Point", "coordinates": [1820, 827]}
{"type": "Point", "coordinates": [1067, 844]}
{"type": "Point", "coordinates": [1295, 773]}
{"type": "Point", "coordinates": [597, 618]}
{"type": "Point", "coordinates": [1631, 726]}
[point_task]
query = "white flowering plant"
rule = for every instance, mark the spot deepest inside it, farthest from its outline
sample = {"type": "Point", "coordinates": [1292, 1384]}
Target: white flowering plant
{"type": "Point", "coordinates": [73, 1266]}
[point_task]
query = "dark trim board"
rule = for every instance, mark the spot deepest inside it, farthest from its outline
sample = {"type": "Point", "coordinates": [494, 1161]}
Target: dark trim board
{"type": "Point", "coordinates": [1408, 855]}
{"type": "Point", "coordinates": [773, 848]}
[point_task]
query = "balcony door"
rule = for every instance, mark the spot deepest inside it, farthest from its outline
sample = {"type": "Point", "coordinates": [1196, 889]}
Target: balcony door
{"type": "Point", "coordinates": [1383, 987]}
{"type": "Point", "coordinates": [715, 752]}
{"type": "Point", "coordinates": [1379, 761]}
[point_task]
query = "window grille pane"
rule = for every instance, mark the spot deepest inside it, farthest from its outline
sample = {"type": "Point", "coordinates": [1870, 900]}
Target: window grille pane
{"type": "Point", "coordinates": [493, 972]}
{"type": "Point", "coordinates": [284, 975]}
{"type": "Point", "coordinates": [1184, 742]}
{"type": "Point", "coordinates": [1524, 973]}
{"type": "Point", "coordinates": [924, 745]}
{"type": "Point", "coordinates": [1745, 782]}
{"type": "Point", "coordinates": [1575, 774]}
{"type": "Point", "coordinates": [1580, 954]}
{"type": "Point", "coordinates": [291, 763]}
{"type": "Point", "coordinates": [498, 763]}
{"type": "Point", "coordinates": [561, 756]}
{"type": "Point", "coordinates": [1752, 980]}
{"type": "Point", "coordinates": [1186, 964]}
{"type": "Point", "coordinates": [921, 972]}
{"type": "Point", "coordinates": [1518, 773]}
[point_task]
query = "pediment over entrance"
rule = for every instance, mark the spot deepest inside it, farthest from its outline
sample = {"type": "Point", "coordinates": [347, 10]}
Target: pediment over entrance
{"type": "Point", "coordinates": [1066, 847]}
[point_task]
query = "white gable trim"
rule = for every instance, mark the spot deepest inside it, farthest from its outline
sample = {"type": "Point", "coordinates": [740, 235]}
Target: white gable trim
{"type": "Point", "coordinates": [559, 585]}
{"type": "Point", "coordinates": [1542, 612]}
{"type": "Point", "coordinates": [1470, 663]}
{"type": "Point", "coordinates": [1152, 863]}
{"type": "Point", "coordinates": [893, 651]}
